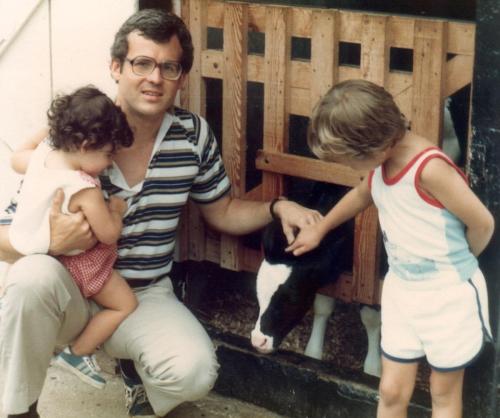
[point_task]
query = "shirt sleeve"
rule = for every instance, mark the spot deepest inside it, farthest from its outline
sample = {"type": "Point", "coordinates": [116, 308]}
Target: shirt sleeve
{"type": "Point", "coordinates": [212, 182]}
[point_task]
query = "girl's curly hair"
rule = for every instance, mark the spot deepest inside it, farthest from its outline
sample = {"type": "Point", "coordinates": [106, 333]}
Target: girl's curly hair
{"type": "Point", "coordinates": [87, 115]}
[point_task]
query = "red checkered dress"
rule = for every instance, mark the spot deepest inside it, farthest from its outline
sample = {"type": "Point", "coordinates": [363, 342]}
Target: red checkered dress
{"type": "Point", "coordinates": [92, 268]}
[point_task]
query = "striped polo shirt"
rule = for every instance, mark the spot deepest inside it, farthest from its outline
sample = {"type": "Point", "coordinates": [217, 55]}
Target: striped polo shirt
{"type": "Point", "coordinates": [185, 163]}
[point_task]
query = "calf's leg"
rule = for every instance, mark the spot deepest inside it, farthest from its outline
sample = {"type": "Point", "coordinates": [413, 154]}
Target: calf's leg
{"type": "Point", "coordinates": [323, 308]}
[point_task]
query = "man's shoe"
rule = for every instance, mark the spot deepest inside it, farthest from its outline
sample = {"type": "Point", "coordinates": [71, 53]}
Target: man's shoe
{"type": "Point", "coordinates": [82, 366]}
{"type": "Point", "coordinates": [136, 400]}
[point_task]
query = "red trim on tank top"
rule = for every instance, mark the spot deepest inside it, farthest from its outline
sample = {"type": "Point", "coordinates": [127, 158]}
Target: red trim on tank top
{"type": "Point", "coordinates": [430, 200]}
{"type": "Point", "coordinates": [393, 180]}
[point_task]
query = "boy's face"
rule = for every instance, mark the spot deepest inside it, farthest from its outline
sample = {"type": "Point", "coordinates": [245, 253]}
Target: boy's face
{"type": "Point", "coordinates": [364, 163]}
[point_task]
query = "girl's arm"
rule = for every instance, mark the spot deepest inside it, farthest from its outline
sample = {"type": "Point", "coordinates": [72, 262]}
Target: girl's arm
{"type": "Point", "coordinates": [104, 219]}
{"type": "Point", "coordinates": [21, 156]}
{"type": "Point", "coordinates": [354, 202]}
{"type": "Point", "coordinates": [442, 182]}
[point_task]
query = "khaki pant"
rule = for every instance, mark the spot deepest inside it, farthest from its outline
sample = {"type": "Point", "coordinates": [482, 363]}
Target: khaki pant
{"type": "Point", "coordinates": [42, 307]}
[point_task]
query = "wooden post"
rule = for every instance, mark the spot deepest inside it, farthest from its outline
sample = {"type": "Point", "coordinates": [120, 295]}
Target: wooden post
{"type": "Point", "coordinates": [234, 104]}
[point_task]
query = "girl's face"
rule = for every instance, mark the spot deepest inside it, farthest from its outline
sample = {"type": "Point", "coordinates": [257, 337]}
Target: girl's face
{"type": "Point", "coordinates": [95, 161]}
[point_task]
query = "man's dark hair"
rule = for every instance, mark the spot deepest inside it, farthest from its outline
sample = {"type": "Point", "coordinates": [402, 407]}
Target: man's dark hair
{"type": "Point", "coordinates": [87, 115]}
{"type": "Point", "coordinates": [159, 26]}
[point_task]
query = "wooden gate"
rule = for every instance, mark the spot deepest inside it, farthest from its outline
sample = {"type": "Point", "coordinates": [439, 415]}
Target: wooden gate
{"type": "Point", "coordinates": [441, 58]}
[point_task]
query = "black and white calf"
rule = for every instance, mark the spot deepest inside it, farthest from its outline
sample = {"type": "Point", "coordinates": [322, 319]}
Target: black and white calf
{"type": "Point", "coordinates": [287, 285]}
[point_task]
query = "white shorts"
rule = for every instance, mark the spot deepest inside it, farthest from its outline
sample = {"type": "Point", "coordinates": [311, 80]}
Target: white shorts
{"type": "Point", "coordinates": [445, 320]}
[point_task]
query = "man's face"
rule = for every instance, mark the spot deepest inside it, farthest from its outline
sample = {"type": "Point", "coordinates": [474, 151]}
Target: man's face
{"type": "Point", "coordinates": [147, 96]}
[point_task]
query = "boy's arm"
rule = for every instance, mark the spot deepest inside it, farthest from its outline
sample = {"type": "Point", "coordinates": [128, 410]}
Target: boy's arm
{"type": "Point", "coordinates": [442, 182]}
{"type": "Point", "coordinates": [354, 202]}
{"type": "Point", "coordinates": [104, 219]}
{"type": "Point", "coordinates": [21, 156]}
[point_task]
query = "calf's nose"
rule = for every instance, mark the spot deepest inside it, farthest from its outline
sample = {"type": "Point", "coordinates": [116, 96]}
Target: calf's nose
{"type": "Point", "coordinates": [261, 342]}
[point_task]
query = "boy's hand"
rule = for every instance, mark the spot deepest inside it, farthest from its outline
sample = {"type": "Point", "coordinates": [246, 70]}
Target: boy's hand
{"type": "Point", "coordinates": [117, 204]}
{"type": "Point", "coordinates": [68, 232]}
{"type": "Point", "coordinates": [308, 238]}
{"type": "Point", "coordinates": [294, 216]}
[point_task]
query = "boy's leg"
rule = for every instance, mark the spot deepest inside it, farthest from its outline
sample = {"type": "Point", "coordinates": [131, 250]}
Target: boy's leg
{"type": "Point", "coordinates": [41, 307]}
{"type": "Point", "coordinates": [118, 301]}
{"type": "Point", "coordinates": [173, 354]}
{"type": "Point", "coordinates": [446, 392]}
{"type": "Point", "coordinates": [396, 387]}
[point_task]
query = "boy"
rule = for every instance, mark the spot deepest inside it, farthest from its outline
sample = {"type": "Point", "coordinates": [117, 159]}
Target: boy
{"type": "Point", "coordinates": [434, 300]}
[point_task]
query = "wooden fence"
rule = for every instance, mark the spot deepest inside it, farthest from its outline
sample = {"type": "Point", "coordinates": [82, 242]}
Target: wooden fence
{"type": "Point", "coordinates": [441, 58]}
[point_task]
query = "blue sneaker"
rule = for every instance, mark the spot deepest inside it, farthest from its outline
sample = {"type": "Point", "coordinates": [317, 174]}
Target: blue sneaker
{"type": "Point", "coordinates": [82, 366]}
{"type": "Point", "coordinates": [136, 400]}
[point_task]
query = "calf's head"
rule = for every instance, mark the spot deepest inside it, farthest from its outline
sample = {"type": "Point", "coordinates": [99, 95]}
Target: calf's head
{"type": "Point", "coordinates": [286, 285]}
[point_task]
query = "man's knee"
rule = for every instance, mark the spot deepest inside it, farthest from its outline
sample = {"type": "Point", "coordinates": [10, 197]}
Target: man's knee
{"type": "Point", "coordinates": [34, 279]}
{"type": "Point", "coordinates": [193, 374]}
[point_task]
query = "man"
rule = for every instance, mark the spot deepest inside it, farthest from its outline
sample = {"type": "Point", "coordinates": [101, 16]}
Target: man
{"type": "Point", "coordinates": [174, 157]}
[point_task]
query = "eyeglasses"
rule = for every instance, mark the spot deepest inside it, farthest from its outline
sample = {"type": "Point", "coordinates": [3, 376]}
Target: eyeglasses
{"type": "Point", "coordinates": [169, 70]}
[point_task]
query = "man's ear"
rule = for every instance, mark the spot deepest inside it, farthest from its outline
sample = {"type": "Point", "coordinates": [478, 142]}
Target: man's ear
{"type": "Point", "coordinates": [116, 69]}
{"type": "Point", "coordinates": [183, 80]}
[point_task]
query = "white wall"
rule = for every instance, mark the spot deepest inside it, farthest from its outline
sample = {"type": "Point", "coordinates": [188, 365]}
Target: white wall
{"type": "Point", "coordinates": [64, 44]}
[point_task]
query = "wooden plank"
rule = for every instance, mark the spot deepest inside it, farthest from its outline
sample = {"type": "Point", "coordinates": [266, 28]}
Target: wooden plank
{"type": "Point", "coordinates": [461, 38]}
{"type": "Point", "coordinates": [184, 94]}
{"type": "Point", "coordinates": [234, 87]}
{"type": "Point", "coordinates": [198, 27]}
{"type": "Point", "coordinates": [324, 53]}
{"type": "Point", "coordinates": [234, 104]}
{"type": "Point", "coordinates": [429, 59]}
{"type": "Point", "coordinates": [197, 23]}
{"type": "Point", "coordinates": [276, 86]}
{"type": "Point", "coordinates": [458, 73]}
{"type": "Point", "coordinates": [375, 68]}
{"type": "Point", "coordinates": [300, 103]}
{"type": "Point", "coordinates": [374, 49]}
{"type": "Point", "coordinates": [366, 256]}
{"type": "Point", "coordinates": [307, 168]}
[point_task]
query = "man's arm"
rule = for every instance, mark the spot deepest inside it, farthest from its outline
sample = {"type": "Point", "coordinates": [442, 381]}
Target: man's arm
{"type": "Point", "coordinates": [238, 217]}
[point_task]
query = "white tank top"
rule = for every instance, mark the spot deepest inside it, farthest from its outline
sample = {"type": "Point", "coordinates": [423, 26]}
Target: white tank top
{"type": "Point", "coordinates": [423, 239]}
{"type": "Point", "coordinates": [30, 231]}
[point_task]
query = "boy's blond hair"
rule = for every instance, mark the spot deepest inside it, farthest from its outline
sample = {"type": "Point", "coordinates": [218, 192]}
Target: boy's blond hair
{"type": "Point", "coordinates": [355, 119]}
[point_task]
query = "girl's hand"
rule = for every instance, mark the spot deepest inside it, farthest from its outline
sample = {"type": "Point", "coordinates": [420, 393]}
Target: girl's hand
{"type": "Point", "coordinates": [117, 204]}
{"type": "Point", "coordinates": [308, 238]}
{"type": "Point", "coordinates": [68, 232]}
{"type": "Point", "coordinates": [295, 217]}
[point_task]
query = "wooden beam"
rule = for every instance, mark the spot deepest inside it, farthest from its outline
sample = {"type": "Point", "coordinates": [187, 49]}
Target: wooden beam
{"type": "Point", "coordinates": [234, 105]}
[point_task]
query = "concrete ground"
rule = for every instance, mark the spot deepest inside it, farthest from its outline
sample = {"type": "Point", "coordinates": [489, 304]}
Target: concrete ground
{"type": "Point", "coordinates": [65, 396]}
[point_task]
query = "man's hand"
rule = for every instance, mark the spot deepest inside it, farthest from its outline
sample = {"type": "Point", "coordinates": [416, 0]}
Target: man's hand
{"type": "Point", "coordinates": [295, 217]}
{"type": "Point", "coordinates": [68, 232]}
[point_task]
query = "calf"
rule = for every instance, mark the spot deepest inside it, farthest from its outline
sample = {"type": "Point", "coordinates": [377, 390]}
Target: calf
{"type": "Point", "coordinates": [287, 285]}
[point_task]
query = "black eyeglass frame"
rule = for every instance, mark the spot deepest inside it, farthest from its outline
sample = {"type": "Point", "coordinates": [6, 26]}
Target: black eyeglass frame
{"type": "Point", "coordinates": [156, 64]}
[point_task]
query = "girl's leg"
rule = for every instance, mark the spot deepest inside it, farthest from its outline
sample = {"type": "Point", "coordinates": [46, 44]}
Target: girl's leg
{"type": "Point", "coordinates": [118, 301]}
{"type": "Point", "coordinates": [446, 392]}
{"type": "Point", "coordinates": [396, 387]}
